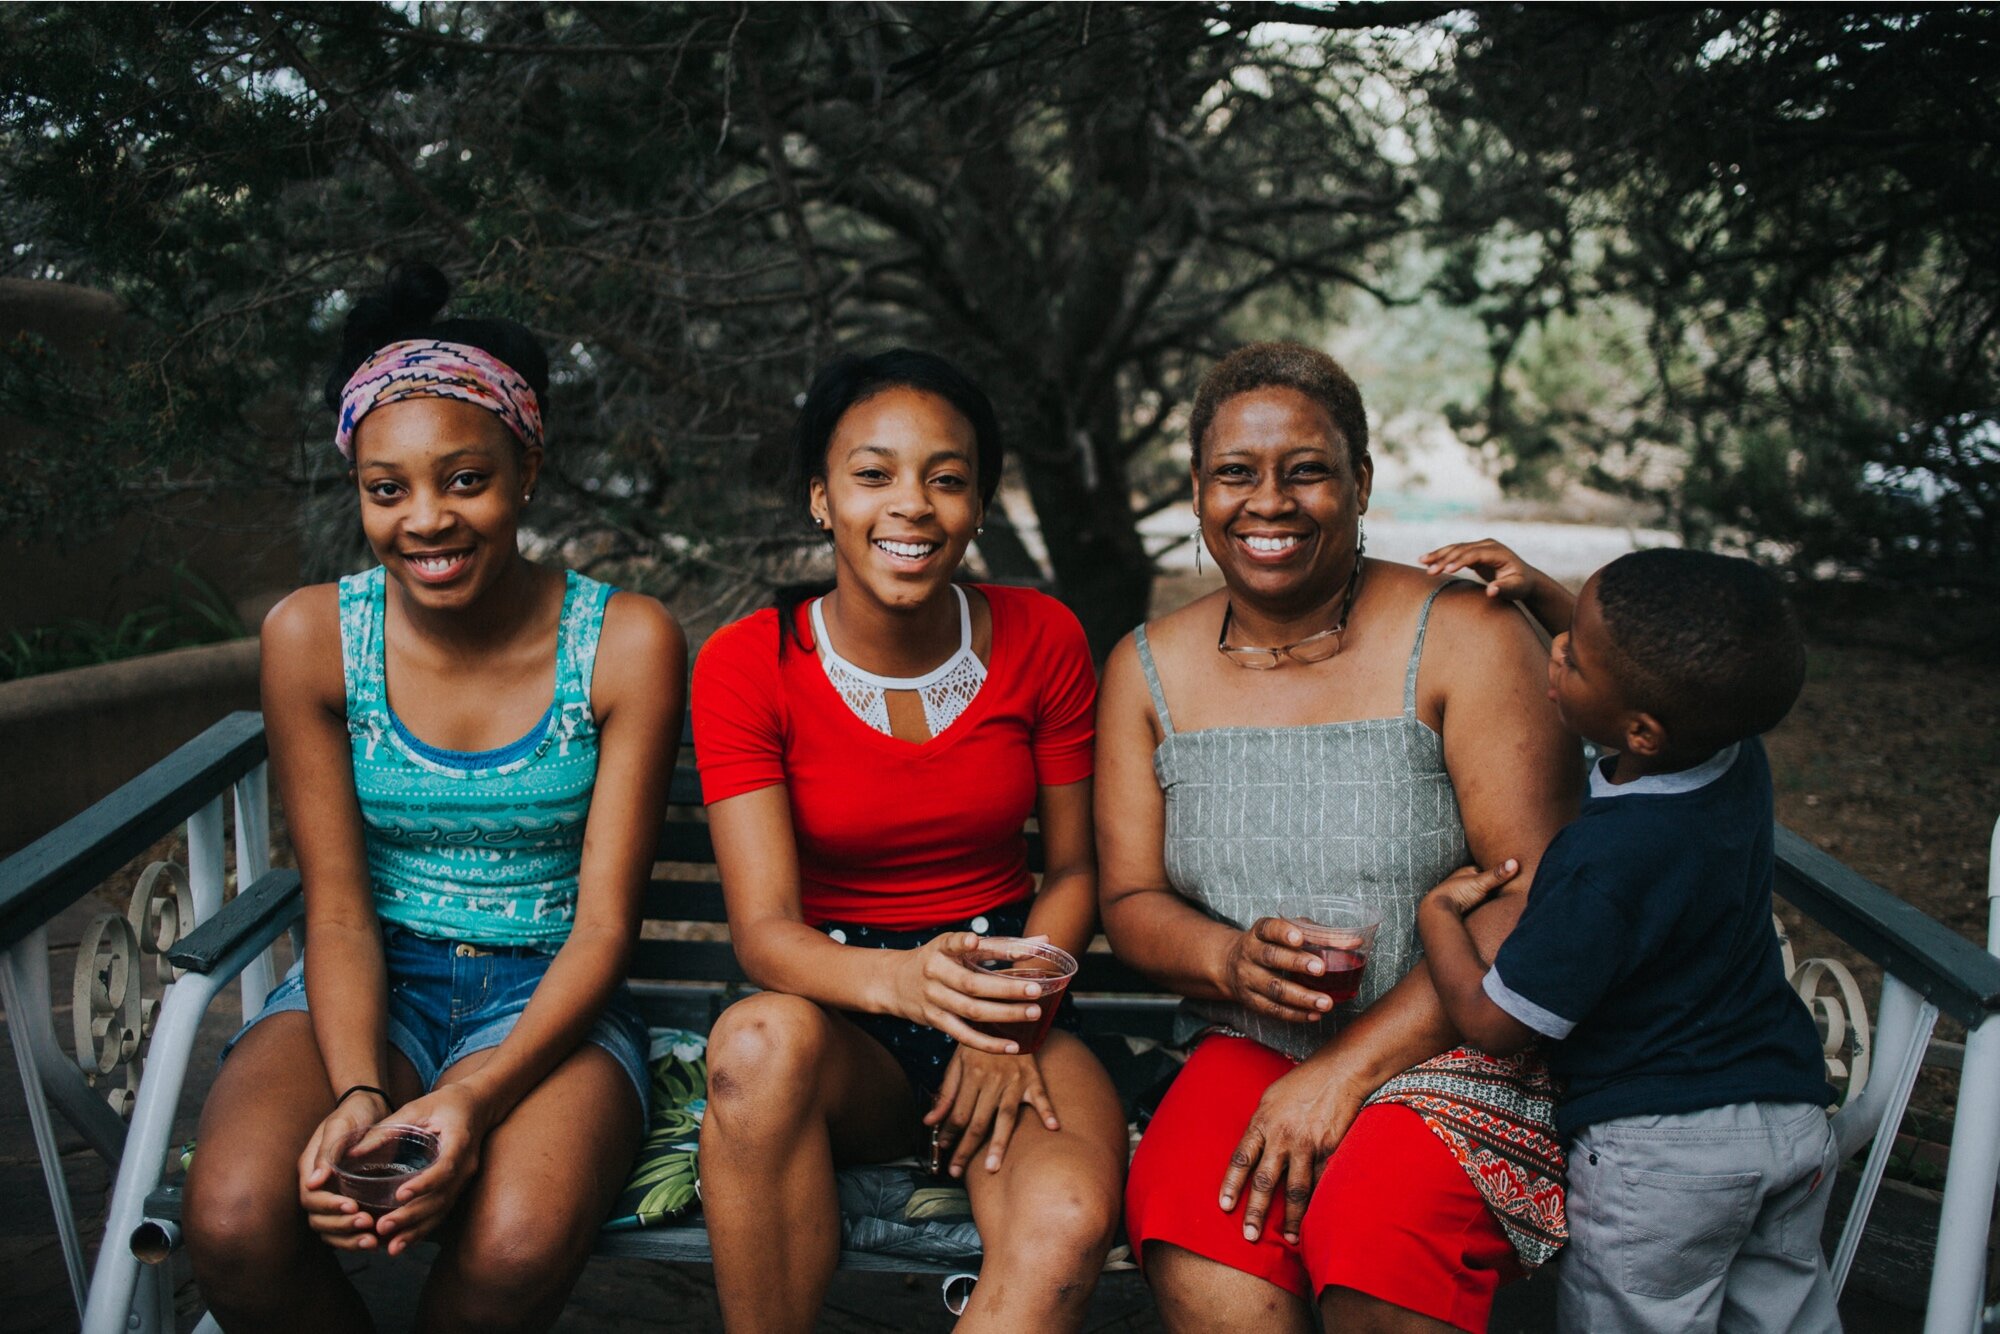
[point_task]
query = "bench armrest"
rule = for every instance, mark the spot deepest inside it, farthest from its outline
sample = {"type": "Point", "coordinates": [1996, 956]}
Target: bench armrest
{"type": "Point", "coordinates": [1943, 967]}
{"type": "Point", "coordinates": [243, 926]}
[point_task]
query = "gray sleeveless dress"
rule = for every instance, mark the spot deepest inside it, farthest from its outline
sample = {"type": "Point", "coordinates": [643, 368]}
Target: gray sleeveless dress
{"type": "Point", "coordinates": [1268, 821]}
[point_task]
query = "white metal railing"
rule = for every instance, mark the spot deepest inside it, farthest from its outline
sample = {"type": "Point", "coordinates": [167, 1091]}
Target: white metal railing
{"type": "Point", "coordinates": [1958, 1276]}
{"type": "Point", "coordinates": [132, 1013]}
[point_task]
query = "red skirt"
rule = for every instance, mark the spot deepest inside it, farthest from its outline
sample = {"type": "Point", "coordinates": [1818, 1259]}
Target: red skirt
{"type": "Point", "coordinates": [1394, 1215]}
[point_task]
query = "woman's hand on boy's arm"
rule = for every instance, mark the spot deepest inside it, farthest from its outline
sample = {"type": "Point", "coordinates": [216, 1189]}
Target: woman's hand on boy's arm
{"type": "Point", "coordinates": [1457, 971]}
{"type": "Point", "coordinates": [1507, 576]}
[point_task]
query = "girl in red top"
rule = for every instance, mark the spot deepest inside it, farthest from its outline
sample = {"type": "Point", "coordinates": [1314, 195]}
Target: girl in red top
{"type": "Point", "coordinates": [868, 759]}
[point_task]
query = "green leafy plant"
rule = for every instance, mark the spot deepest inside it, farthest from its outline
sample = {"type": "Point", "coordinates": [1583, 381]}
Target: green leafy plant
{"type": "Point", "coordinates": [195, 612]}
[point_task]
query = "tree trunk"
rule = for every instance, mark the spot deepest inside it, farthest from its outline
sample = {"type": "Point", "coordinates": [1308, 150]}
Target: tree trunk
{"type": "Point", "coordinates": [1100, 565]}
{"type": "Point", "coordinates": [1002, 552]}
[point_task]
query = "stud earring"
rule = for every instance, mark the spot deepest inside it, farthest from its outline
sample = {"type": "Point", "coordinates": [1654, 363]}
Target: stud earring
{"type": "Point", "coordinates": [527, 496]}
{"type": "Point", "coordinates": [980, 531]}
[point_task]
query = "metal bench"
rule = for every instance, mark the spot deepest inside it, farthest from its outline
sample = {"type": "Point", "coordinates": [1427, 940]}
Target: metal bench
{"type": "Point", "coordinates": [144, 980]}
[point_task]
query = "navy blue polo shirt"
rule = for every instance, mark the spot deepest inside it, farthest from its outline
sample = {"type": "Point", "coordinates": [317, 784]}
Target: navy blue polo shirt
{"type": "Point", "coordinates": [1646, 949]}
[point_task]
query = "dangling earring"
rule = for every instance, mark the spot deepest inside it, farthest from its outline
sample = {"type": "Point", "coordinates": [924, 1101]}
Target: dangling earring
{"type": "Point", "coordinates": [1360, 538]}
{"type": "Point", "coordinates": [1200, 541]}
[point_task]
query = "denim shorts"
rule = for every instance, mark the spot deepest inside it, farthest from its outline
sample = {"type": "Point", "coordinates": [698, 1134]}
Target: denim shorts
{"type": "Point", "coordinates": [449, 999]}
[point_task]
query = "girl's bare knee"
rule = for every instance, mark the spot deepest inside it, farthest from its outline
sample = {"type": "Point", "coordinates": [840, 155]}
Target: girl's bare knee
{"type": "Point", "coordinates": [241, 1229]}
{"type": "Point", "coordinates": [512, 1264]}
{"type": "Point", "coordinates": [765, 1047]}
{"type": "Point", "coordinates": [1067, 1227]}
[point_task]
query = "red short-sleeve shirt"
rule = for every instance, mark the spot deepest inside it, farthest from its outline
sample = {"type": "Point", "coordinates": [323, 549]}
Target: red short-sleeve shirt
{"type": "Point", "coordinates": [892, 833]}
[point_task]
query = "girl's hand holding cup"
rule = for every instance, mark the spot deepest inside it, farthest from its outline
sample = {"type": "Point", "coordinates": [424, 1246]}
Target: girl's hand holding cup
{"type": "Point", "coordinates": [341, 1222]}
{"type": "Point", "coordinates": [940, 984]}
{"type": "Point", "coordinates": [454, 1121]}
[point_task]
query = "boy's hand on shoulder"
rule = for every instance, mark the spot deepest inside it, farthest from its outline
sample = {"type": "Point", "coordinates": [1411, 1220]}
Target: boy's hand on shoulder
{"type": "Point", "coordinates": [1507, 576]}
{"type": "Point", "coordinates": [1505, 573]}
{"type": "Point", "coordinates": [1468, 887]}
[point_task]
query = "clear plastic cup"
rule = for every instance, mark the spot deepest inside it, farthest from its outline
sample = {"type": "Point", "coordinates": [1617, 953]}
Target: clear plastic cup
{"type": "Point", "coordinates": [1025, 961]}
{"type": "Point", "coordinates": [1342, 932]}
{"type": "Point", "coordinates": [375, 1162]}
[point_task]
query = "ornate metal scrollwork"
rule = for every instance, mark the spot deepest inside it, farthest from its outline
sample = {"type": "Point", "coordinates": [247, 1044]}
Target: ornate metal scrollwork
{"type": "Point", "coordinates": [162, 912]}
{"type": "Point", "coordinates": [107, 1006]}
{"type": "Point", "coordinates": [110, 1011]}
{"type": "Point", "coordinates": [1840, 1014]}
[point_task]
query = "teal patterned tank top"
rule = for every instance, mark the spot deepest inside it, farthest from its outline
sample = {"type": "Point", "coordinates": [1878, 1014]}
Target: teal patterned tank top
{"type": "Point", "coordinates": [479, 846]}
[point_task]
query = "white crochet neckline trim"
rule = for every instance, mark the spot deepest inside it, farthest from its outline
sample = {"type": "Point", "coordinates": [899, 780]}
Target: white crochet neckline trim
{"type": "Point", "coordinates": [946, 690]}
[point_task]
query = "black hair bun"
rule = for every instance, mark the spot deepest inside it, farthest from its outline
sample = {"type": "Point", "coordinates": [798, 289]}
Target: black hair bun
{"type": "Point", "coordinates": [406, 306]}
{"type": "Point", "coordinates": [415, 293]}
{"type": "Point", "coordinates": [406, 303]}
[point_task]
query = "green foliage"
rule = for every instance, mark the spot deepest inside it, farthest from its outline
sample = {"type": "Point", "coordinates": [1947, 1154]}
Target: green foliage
{"type": "Point", "coordinates": [1798, 204]}
{"type": "Point", "coordinates": [195, 612]}
{"type": "Point", "coordinates": [1740, 261]}
{"type": "Point", "coordinates": [697, 205]}
{"type": "Point", "coordinates": [665, 1179]}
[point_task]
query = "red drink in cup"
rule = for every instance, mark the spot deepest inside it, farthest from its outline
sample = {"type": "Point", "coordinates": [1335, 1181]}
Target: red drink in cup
{"type": "Point", "coordinates": [1025, 961]}
{"type": "Point", "coordinates": [1342, 977]}
{"type": "Point", "coordinates": [1341, 932]}
{"type": "Point", "coordinates": [381, 1158]}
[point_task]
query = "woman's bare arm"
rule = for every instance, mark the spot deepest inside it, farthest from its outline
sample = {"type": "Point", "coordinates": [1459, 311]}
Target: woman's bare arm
{"type": "Point", "coordinates": [305, 705]}
{"type": "Point", "coordinates": [1518, 775]}
{"type": "Point", "coordinates": [1065, 908]}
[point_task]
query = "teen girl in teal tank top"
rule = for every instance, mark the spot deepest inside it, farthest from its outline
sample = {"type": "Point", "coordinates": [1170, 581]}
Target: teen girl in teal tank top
{"type": "Point", "coordinates": [474, 846]}
{"type": "Point", "coordinates": [472, 754]}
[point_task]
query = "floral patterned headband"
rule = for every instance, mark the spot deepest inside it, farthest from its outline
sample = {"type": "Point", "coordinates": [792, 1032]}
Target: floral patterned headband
{"type": "Point", "coordinates": [433, 368]}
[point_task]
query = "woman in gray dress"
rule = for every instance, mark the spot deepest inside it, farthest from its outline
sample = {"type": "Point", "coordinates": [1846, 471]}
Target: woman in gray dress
{"type": "Point", "coordinates": [1324, 725]}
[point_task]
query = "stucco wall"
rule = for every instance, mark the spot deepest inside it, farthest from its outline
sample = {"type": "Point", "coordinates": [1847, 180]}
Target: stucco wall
{"type": "Point", "coordinates": [69, 738]}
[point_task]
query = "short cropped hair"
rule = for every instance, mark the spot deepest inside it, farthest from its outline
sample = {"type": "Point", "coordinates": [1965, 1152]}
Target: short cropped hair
{"type": "Point", "coordinates": [1705, 643]}
{"type": "Point", "coordinates": [1293, 366]}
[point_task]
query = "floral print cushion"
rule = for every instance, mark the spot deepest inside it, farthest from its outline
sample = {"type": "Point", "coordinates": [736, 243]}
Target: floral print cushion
{"type": "Point", "coordinates": [665, 1182]}
{"type": "Point", "coordinates": [895, 1208]}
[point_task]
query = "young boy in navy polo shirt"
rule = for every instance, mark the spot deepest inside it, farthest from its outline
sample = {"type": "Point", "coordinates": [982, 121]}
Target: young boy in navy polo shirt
{"type": "Point", "coordinates": [1701, 1155]}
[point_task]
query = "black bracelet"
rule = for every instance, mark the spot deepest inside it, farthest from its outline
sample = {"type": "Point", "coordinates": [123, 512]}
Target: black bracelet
{"type": "Point", "coordinates": [364, 1088]}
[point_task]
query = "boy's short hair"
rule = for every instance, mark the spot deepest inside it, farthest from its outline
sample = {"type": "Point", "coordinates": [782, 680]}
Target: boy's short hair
{"type": "Point", "coordinates": [1705, 643]}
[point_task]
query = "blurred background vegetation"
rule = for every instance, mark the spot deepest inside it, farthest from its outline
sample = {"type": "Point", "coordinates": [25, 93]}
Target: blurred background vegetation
{"type": "Point", "coordinates": [1734, 263]}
